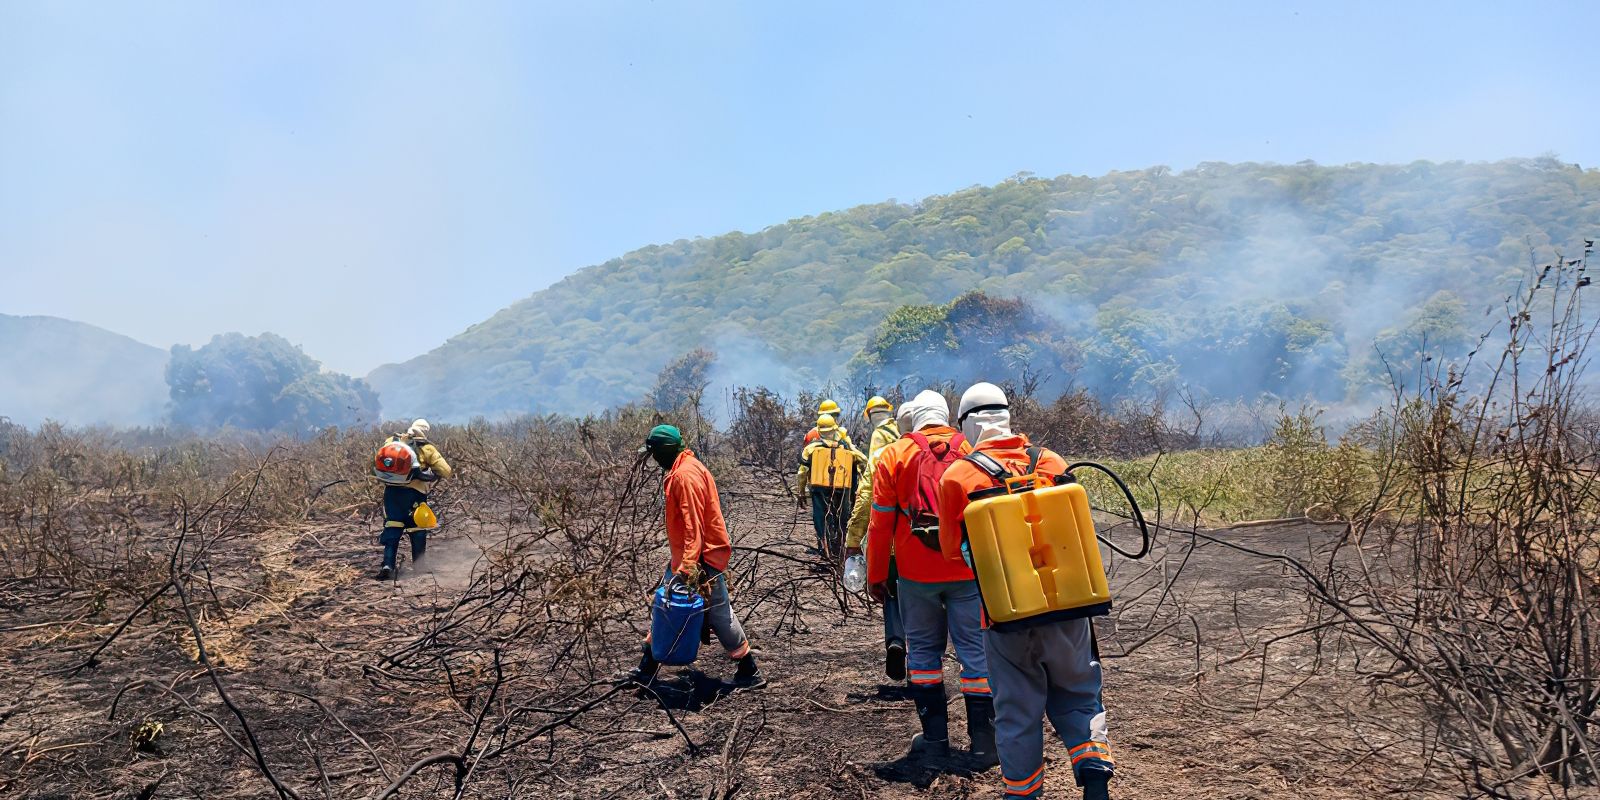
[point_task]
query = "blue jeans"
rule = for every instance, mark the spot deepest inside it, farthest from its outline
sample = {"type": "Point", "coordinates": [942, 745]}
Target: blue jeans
{"type": "Point", "coordinates": [894, 629]}
{"type": "Point", "coordinates": [935, 613]}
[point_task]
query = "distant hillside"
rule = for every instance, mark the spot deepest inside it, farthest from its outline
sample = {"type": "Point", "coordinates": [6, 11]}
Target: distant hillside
{"type": "Point", "coordinates": [78, 374]}
{"type": "Point", "coordinates": [1246, 278]}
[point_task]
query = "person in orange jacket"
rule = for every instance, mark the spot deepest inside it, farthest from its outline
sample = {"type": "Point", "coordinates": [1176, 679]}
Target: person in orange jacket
{"type": "Point", "coordinates": [698, 540]}
{"type": "Point", "coordinates": [1040, 666]}
{"type": "Point", "coordinates": [938, 597]}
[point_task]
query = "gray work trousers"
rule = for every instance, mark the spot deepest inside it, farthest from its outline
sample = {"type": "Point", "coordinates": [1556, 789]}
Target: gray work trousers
{"type": "Point", "coordinates": [1046, 670]}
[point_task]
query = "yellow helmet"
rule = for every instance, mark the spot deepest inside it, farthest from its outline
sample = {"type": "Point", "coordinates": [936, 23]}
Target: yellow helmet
{"type": "Point", "coordinates": [828, 407]}
{"type": "Point", "coordinates": [826, 422]}
{"type": "Point", "coordinates": [877, 403]}
{"type": "Point", "coordinates": [424, 517]}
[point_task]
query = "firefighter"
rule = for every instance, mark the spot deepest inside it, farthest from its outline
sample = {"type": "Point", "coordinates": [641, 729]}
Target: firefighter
{"type": "Point", "coordinates": [401, 501]}
{"type": "Point", "coordinates": [698, 540]}
{"type": "Point", "coordinates": [827, 479]}
{"type": "Point", "coordinates": [831, 409]}
{"type": "Point", "coordinates": [938, 598]}
{"type": "Point", "coordinates": [880, 419]}
{"type": "Point", "coordinates": [1040, 666]}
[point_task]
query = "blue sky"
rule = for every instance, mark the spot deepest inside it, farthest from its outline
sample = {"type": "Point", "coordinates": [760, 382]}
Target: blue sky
{"type": "Point", "coordinates": [172, 170]}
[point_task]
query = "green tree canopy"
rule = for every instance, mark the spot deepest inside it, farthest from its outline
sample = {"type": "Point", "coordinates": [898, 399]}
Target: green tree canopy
{"type": "Point", "coordinates": [262, 383]}
{"type": "Point", "coordinates": [1242, 278]}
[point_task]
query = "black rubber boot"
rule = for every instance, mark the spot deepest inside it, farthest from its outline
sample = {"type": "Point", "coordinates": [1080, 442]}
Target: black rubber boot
{"type": "Point", "coordinates": [390, 553]}
{"type": "Point", "coordinates": [934, 741]}
{"type": "Point", "coordinates": [1094, 784]}
{"type": "Point", "coordinates": [645, 673]}
{"type": "Point", "coordinates": [894, 661]}
{"type": "Point", "coordinates": [980, 731]}
{"type": "Point", "coordinates": [748, 676]}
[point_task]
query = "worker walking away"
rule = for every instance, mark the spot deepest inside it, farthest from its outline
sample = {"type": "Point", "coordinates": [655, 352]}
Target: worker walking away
{"type": "Point", "coordinates": [1040, 666]}
{"type": "Point", "coordinates": [408, 465]}
{"type": "Point", "coordinates": [827, 479]}
{"type": "Point", "coordinates": [880, 419]}
{"type": "Point", "coordinates": [698, 540]}
{"type": "Point", "coordinates": [938, 598]}
{"type": "Point", "coordinates": [831, 409]}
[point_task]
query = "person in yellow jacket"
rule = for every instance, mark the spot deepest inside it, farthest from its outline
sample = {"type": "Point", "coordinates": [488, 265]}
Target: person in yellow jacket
{"type": "Point", "coordinates": [829, 468]}
{"type": "Point", "coordinates": [400, 501]}
{"type": "Point", "coordinates": [829, 408]}
{"type": "Point", "coordinates": [880, 418]}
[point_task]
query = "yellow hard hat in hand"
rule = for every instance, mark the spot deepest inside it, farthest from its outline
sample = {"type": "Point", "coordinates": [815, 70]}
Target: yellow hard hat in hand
{"type": "Point", "coordinates": [424, 517]}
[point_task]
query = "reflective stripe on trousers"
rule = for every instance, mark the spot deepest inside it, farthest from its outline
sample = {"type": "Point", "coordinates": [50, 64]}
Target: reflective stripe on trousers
{"type": "Point", "coordinates": [934, 613]}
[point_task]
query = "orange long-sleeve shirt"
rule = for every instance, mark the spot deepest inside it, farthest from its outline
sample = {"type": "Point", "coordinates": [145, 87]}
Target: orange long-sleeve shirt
{"type": "Point", "coordinates": [893, 486]}
{"type": "Point", "coordinates": [695, 530]}
{"type": "Point", "coordinates": [964, 477]}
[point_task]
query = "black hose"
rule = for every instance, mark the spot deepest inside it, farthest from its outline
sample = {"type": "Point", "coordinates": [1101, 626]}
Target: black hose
{"type": "Point", "coordinates": [1138, 516]}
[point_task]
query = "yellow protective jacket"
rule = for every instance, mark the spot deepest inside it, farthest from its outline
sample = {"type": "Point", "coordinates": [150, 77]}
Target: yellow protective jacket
{"type": "Point", "coordinates": [430, 457]}
{"type": "Point", "coordinates": [803, 479]}
{"type": "Point", "coordinates": [882, 436]}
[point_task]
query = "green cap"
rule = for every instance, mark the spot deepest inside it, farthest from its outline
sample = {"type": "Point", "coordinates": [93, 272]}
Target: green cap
{"type": "Point", "coordinates": [662, 437]}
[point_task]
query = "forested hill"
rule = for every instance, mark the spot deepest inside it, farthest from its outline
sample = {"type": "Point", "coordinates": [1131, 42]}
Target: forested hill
{"type": "Point", "coordinates": [78, 374]}
{"type": "Point", "coordinates": [1241, 277]}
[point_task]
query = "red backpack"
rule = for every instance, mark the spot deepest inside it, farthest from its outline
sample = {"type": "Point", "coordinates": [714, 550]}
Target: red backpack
{"type": "Point", "coordinates": [927, 467]}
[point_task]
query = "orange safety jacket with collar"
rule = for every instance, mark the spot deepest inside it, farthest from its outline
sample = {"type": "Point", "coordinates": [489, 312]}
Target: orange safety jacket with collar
{"type": "Point", "coordinates": [889, 530]}
{"type": "Point", "coordinates": [695, 529]}
{"type": "Point", "coordinates": [964, 477]}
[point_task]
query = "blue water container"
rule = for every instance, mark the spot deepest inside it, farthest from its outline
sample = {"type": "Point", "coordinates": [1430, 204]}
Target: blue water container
{"type": "Point", "coordinates": [675, 621]}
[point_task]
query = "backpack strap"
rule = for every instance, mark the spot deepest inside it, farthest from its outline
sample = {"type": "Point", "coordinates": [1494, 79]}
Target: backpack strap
{"type": "Point", "coordinates": [921, 440]}
{"type": "Point", "coordinates": [994, 469]}
{"type": "Point", "coordinates": [991, 467]}
{"type": "Point", "coordinates": [1034, 453]}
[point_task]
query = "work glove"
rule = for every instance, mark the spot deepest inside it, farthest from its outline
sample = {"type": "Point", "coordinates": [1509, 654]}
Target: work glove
{"type": "Point", "coordinates": [803, 499]}
{"type": "Point", "coordinates": [689, 575]}
{"type": "Point", "coordinates": [879, 591]}
{"type": "Point", "coordinates": [427, 475]}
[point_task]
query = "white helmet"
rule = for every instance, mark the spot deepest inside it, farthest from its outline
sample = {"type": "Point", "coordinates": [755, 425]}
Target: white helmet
{"type": "Point", "coordinates": [927, 408]}
{"type": "Point", "coordinates": [981, 397]}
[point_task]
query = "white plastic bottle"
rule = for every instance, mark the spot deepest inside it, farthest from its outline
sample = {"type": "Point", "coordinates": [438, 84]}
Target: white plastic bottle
{"type": "Point", "coordinates": [855, 573]}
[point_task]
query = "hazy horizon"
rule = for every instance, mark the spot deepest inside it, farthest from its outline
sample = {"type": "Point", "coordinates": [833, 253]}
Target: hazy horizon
{"type": "Point", "coordinates": [193, 170]}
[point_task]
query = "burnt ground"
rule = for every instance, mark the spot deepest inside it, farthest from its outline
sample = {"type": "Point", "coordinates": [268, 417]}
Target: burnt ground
{"type": "Point", "coordinates": [1198, 706]}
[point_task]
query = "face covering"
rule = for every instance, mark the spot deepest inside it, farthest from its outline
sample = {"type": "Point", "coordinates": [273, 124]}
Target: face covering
{"type": "Point", "coordinates": [877, 418]}
{"type": "Point", "coordinates": [927, 408]}
{"type": "Point", "coordinates": [665, 456]}
{"type": "Point", "coordinates": [988, 424]}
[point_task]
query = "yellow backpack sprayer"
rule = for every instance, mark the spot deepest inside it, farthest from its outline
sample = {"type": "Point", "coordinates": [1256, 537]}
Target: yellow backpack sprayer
{"type": "Point", "coordinates": [1032, 543]}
